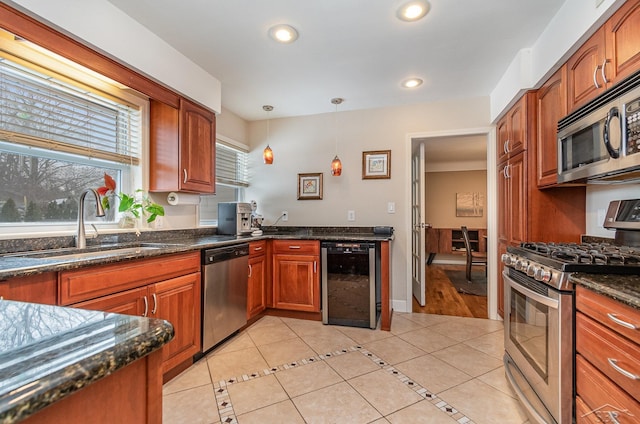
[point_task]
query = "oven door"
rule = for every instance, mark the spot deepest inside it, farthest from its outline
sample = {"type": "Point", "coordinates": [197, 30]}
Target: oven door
{"type": "Point", "coordinates": [539, 345]}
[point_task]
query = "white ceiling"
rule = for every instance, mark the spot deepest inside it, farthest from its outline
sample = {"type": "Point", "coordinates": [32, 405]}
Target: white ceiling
{"type": "Point", "coordinates": [355, 49]}
{"type": "Point", "coordinates": [450, 149]}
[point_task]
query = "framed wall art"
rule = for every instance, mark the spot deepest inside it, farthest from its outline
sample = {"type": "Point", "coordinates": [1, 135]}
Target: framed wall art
{"type": "Point", "coordinates": [310, 186]}
{"type": "Point", "coordinates": [376, 165]}
{"type": "Point", "coordinates": [469, 204]}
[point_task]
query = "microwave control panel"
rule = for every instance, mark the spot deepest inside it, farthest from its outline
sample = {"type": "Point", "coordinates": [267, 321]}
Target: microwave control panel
{"type": "Point", "coordinates": [632, 114]}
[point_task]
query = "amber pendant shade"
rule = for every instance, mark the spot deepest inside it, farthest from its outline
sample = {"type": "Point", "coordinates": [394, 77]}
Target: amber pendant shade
{"type": "Point", "coordinates": [336, 167]}
{"type": "Point", "coordinates": [267, 155]}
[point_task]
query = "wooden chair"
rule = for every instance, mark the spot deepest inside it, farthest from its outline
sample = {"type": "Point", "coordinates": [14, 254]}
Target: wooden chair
{"type": "Point", "coordinates": [473, 258]}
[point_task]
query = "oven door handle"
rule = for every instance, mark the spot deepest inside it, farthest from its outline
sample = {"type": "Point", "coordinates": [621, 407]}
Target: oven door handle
{"type": "Point", "coordinates": [552, 303]}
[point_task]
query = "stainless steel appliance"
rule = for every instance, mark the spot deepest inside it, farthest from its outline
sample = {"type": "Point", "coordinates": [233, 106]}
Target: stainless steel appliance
{"type": "Point", "coordinates": [224, 293]}
{"type": "Point", "coordinates": [538, 337]}
{"type": "Point", "coordinates": [601, 140]}
{"type": "Point", "coordinates": [350, 287]}
{"type": "Point", "coordinates": [234, 218]}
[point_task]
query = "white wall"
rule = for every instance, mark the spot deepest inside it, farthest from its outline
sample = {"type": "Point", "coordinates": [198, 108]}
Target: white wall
{"type": "Point", "coordinates": [101, 24]}
{"type": "Point", "coordinates": [307, 144]}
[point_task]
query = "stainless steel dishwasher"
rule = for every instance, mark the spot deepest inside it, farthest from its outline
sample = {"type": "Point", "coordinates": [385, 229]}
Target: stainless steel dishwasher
{"type": "Point", "coordinates": [224, 298]}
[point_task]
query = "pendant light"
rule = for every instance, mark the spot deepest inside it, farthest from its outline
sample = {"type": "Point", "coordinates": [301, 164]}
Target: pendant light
{"type": "Point", "coordinates": [267, 154]}
{"type": "Point", "coordinates": [336, 164]}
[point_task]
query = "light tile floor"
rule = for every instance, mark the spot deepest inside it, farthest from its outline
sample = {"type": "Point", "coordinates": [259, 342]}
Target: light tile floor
{"type": "Point", "coordinates": [427, 369]}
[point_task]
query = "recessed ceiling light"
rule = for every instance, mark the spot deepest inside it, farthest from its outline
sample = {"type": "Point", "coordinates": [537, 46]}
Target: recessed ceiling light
{"type": "Point", "coordinates": [413, 11]}
{"type": "Point", "coordinates": [283, 33]}
{"type": "Point", "coordinates": [411, 82]}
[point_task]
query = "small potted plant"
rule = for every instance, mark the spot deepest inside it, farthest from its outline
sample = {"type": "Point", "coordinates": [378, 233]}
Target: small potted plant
{"type": "Point", "coordinates": [131, 206]}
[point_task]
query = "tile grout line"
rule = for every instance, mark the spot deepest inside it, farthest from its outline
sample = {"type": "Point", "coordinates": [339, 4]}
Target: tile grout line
{"type": "Point", "coordinates": [228, 415]}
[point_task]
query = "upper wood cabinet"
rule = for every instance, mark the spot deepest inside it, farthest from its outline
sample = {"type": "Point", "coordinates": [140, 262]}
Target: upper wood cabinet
{"type": "Point", "coordinates": [512, 131]}
{"type": "Point", "coordinates": [182, 148]}
{"type": "Point", "coordinates": [551, 101]}
{"type": "Point", "coordinates": [610, 55]}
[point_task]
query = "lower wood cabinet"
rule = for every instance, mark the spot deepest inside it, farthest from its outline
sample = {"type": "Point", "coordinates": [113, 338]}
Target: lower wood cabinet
{"type": "Point", "coordinates": [257, 284]}
{"type": "Point", "coordinates": [40, 288]}
{"type": "Point", "coordinates": [157, 290]}
{"type": "Point", "coordinates": [607, 359]}
{"type": "Point", "coordinates": [296, 275]}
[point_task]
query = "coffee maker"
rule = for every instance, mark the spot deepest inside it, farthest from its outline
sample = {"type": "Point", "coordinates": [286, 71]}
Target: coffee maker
{"type": "Point", "coordinates": [234, 218]}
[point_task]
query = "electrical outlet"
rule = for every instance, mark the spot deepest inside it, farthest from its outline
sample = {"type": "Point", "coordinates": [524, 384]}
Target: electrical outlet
{"type": "Point", "coordinates": [285, 216]}
{"type": "Point", "coordinates": [391, 207]}
{"type": "Point", "coordinates": [351, 215]}
{"type": "Point", "coordinates": [159, 222]}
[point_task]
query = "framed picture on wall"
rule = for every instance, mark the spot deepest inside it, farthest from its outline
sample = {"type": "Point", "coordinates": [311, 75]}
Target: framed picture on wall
{"type": "Point", "coordinates": [376, 165]}
{"type": "Point", "coordinates": [469, 204]}
{"type": "Point", "coordinates": [310, 186]}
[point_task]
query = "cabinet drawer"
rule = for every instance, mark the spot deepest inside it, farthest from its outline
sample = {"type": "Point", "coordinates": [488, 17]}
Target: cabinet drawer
{"type": "Point", "coordinates": [257, 248]}
{"type": "Point", "coordinates": [609, 312]}
{"type": "Point", "coordinates": [306, 247]}
{"type": "Point", "coordinates": [609, 352]}
{"type": "Point", "coordinates": [95, 281]}
{"type": "Point", "coordinates": [601, 395]}
{"type": "Point", "coordinates": [40, 288]}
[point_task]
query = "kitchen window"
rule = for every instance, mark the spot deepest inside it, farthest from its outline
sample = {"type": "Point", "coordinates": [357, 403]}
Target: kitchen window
{"type": "Point", "coordinates": [232, 176]}
{"type": "Point", "coordinates": [61, 129]}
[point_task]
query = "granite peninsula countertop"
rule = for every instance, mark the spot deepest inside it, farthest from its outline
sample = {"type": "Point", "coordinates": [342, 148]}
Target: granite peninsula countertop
{"type": "Point", "coordinates": [22, 261]}
{"type": "Point", "coordinates": [623, 288]}
{"type": "Point", "coordinates": [49, 352]}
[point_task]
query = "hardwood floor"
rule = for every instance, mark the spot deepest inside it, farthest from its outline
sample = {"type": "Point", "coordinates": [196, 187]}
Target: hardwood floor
{"type": "Point", "coordinates": [444, 299]}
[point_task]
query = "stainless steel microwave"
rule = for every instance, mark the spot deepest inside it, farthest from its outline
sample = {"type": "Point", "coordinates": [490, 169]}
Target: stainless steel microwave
{"type": "Point", "coordinates": [601, 141]}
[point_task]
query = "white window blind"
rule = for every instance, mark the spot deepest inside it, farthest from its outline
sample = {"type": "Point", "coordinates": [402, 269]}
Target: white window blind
{"type": "Point", "coordinates": [40, 111]}
{"type": "Point", "coordinates": [231, 165]}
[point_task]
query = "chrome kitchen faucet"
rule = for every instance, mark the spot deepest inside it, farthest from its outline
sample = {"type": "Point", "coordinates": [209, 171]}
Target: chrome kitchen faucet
{"type": "Point", "coordinates": [81, 240]}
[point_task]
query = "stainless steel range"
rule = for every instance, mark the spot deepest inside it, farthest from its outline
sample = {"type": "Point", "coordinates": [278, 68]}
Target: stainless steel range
{"type": "Point", "coordinates": [539, 336]}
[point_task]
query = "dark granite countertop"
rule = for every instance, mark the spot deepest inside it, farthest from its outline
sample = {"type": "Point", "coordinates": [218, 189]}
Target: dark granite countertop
{"type": "Point", "coordinates": [623, 288]}
{"type": "Point", "coordinates": [164, 243]}
{"type": "Point", "coordinates": [49, 352]}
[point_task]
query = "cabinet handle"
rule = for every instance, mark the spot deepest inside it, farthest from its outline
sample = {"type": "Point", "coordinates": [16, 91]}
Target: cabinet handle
{"type": "Point", "coordinates": [604, 75]}
{"type": "Point", "coordinates": [294, 247]}
{"type": "Point", "coordinates": [505, 147]}
{"type": "Point", "coordinates": [146, 306]}
{"type": "Point", "coordinates": [506, 172]}
{"type": "Point", "coordinates": [630, 375]}
{"type": "Point", "coordinates": [315, 267]}
{"type": "Point", "coordinates": [257, 249]}
{"type": "Point", "coordinates": [595, 77]}
{"type": "Point", "coordinates": [250, 269]}
{"type": "Point", "coordinates": [618, 321]}
{"type": "Point", "coordinates": [185, 175]}
{"type": "Point", "coordinates": [155, 303]}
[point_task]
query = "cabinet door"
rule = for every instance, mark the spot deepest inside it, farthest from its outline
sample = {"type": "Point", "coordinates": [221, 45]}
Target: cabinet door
{"type": "Point", "coordinates": [41, 288]}
{"type": "Point", "coordinates": [256, 290]}
{"type": "Point", "coordinates": [552, 106]}
{"type": "Point", "coordinates": [502, 248]}
{"type": "Point", "coordinates": [296, 282]}
{"type": "Point", "coordinates": [518, 199]}
{"type": "Point", "coordinates": [502, 138]}
{"type": "Point", "coordinates": [504, 200]}
{"type": "Point", "coordinates": [178, 301]}
{"type": "Point", "coordinates": [129, 302]}
{"type": "Point", "coordinates": [584, 71]}
{"type": "Point", "coordinates": [197, 148]}
{"type": "Point", "coordinates": [517, 117]}
{"type": "Point", "coordinates": [622, 33]}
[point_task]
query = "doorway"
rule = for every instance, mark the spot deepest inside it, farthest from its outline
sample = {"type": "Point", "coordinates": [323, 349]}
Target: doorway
{"type": "Point", "coordinates": [455, 169]}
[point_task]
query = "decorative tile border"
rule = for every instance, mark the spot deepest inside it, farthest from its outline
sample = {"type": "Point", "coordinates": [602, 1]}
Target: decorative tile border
{"type": "Point", "coordinates": [228, 416]}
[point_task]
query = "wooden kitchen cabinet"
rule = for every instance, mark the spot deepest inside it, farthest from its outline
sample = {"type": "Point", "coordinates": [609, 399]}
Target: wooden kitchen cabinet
{"type": "Point", "coordinates": [167, 287]}
{"type": "Point", "coordinates": [257, 284]}
{"type": "Point", "coordinates": [607, 357]}
{"type": "Point", "coordinates": [609, 56]}
{"type": "Point", "coordinates": [40, 288]}
{"type": "Point", "coordinates": [182, 148]}
{"type": "Point", "coordinates": [551, 107]}
{"type": "Point", "coordinates": [296, 276]}
{"type": "Point", "coordinates": [512, 131]}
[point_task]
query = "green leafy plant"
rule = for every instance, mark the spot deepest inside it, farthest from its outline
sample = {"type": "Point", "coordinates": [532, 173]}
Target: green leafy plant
{"type": "Point", "coordinates": [135, 205]}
